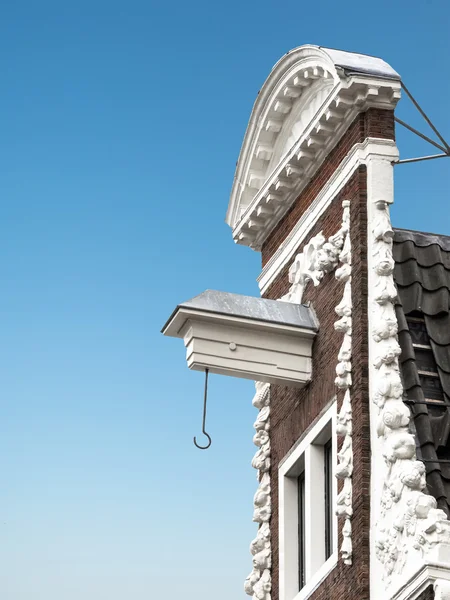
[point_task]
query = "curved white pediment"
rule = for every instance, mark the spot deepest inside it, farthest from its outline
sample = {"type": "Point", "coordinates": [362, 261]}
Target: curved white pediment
{"type": "Point", "coordinates": [302, 108]}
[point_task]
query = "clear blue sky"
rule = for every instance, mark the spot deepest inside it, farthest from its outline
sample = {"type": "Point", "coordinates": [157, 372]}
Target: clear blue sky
{"type": "Point", "coordinates": [121, 126]}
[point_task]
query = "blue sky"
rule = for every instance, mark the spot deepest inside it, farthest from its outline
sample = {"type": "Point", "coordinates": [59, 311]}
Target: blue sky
{"type": "Point", "coordinates": [121, 126]}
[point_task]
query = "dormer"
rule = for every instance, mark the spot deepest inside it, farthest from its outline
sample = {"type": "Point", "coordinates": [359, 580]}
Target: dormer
{"type": "Point", "coordinates": [306, 104]}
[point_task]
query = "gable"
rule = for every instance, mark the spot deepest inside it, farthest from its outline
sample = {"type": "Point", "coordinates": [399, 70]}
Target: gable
{"type": "Point", "coordinates": [306, 104]}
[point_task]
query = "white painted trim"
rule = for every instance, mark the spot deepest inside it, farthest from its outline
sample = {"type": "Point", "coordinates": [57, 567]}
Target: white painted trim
{"type": "Point", "coordinates": [379, 188]}
{"type": "Point", "coordinates": [300, 59]}
{"type": "Point", "coordinates": [359, 154]}
{"type": "Point", "coordinates": [415, 586]}
{"type": "Point", "coordinates": [307, 431]}
{"type": "Point", "coordinates": [308, 155]}
{"type": "Point", "coordinates": [433, 574]}
{"type": "Point", "coordinates": [176, 327]}
{"type": "Point", "coordinates": [253, 211]}
{"type": "Point", "coordinates": [318, 577]}
{"type": "Point", "coordinates": [329, 415]}
{"type": "Point", "coordinates": [407, 529]}
{"type": "Point", "coordinates": [287, 490]}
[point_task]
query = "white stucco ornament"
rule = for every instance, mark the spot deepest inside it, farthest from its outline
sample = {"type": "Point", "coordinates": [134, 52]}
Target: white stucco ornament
{"type": "Point", "coordinates": [319, 257]}
{"type": "Point", "coordinates": [258, 584]}
{"type": "Point", "coordinates": [344, 470]}
{"type": "Point", "coordinates": [305, 106]}
{"type": "Point", "coordinates": [408, 524]}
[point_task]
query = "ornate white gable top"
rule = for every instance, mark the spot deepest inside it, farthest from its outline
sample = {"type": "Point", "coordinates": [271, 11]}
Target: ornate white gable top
{"type": "Point", "coordinates": [310, 97]}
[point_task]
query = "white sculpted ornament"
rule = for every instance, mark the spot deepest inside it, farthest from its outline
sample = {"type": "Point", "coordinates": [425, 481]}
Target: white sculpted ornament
{"type": "Point", "coordinates": [385, 322]}
{"type": "Point", "coordinates": [263, 587]}
{"type": "Point", "coordinates": [319, 257]}
{"type": "Point", "coordinates": [258, 584]}
{"type": "Point", "coordinates": [408, 520]}
{"type": "Point", "coordinates": [343, 381]}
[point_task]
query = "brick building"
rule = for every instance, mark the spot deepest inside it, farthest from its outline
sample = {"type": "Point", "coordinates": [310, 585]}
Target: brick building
{"type": "Point", "coordinates": [349, 342]}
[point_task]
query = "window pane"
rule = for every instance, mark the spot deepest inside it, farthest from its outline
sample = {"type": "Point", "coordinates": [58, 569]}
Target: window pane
{"type": "Point", "coordinates": [418, 331]}
{"type": "Point", "coordinates": [301, 531]}
{"type": "Point", "coordinates": [328, 474]}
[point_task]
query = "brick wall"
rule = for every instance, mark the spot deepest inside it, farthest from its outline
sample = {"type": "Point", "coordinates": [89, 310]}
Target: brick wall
{"type": "Point", "coordinates": [293, 411]}
{"type": "Point", "coordinates": [375, 123]}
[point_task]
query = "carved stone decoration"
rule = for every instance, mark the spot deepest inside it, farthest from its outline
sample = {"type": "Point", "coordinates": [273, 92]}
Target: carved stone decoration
{"type": "Point", "coordinates": [344, 470]}
{"type": "Point", "coordinates": [319, 257]}
{"type": "Point", "coordinates": [441, 589]}
{"type": "Point", "coordinates": [408, 524]}
{"type": "Point", "coordinates": [258, 584]}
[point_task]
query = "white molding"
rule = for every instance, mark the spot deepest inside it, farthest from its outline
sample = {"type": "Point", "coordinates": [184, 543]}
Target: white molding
{"type": "Point", "coordinates": [307, 431]}
{"type": "Point", "coordinates": [265, 185]}
{"type": "Point", "coordinates": [319, 576]}
{"type": "Point", "coordinates": [259, 583]}
{"type": "Point", "coordinates": [407, 529]}
{"type": "Point", "coordinates": [176, 326]}
{"type": "Point", "coordinates": [287, 534]}
{"type": "Point", "coordinates": [435, 573]}
{"type": "Point", "coordinates": [314, 431]}
{"type": "Point", "coordinates": [358, 155]}
{"type": "Point", "coordinates": [296, 64]}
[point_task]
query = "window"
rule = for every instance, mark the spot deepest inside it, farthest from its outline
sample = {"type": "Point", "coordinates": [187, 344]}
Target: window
{"type": "Point", "coordinates": [425, 361]}
{"type": "Point", "coordinates": [301, 530]}
{"type": "Point", "coordinates": [307, 523]}
{"type": "Point", "coordinates": [328, 494]}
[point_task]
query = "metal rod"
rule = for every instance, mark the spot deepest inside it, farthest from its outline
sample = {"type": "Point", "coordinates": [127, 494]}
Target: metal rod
{"type": "Point", "coordinates": [422, 135]}
{"type": "Point", "coordinates": [412, 160]}
{"type": "Point", "coordinates": [416, 104]}
{"type": "Point", "coordinates": [204, 416]}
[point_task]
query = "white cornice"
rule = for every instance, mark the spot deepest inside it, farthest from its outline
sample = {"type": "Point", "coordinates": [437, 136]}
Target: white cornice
{"type": "Point", "coordinates": [263, 191]}
{"type": "Point", "coordinates": [309, 57]}
{"type": "Point", "coordinates": [436, 574]}
{"type": "Point", "coordinates": [358, 155]}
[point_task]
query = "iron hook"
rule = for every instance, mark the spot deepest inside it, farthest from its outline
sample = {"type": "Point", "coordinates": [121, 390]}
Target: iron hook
{"type": "Point", "coordinates": [204, 416]}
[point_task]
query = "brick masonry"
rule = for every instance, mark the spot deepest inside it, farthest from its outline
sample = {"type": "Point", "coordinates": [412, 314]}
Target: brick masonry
{"type": "Point", "coordinates": [292, 410]}
{"type": "Point", "coordinates": [374, 123]}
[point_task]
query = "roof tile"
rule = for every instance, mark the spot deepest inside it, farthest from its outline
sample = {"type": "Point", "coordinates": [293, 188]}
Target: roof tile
{"type": "Point", "coordinates": [422, 276]}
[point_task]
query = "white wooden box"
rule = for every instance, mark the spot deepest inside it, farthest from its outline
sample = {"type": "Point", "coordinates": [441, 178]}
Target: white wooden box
{"type": "Point", "coordinates": [246, 337]}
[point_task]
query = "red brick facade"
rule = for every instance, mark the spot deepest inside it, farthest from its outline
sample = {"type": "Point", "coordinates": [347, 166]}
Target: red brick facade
{"type": "Point", "coordinates": [292, 410]}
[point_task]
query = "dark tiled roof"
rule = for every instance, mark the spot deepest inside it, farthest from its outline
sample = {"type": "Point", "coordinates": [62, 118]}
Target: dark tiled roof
{"type": "Point", "coordinates": [422, 275]}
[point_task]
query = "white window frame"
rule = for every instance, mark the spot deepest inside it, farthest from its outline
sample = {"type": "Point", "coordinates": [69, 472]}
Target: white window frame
{"type": "Point", "coordinates": [308, 455]}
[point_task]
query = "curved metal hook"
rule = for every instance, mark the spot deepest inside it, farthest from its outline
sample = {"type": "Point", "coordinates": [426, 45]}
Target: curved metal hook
{"type": "Point", "coordinates": [204, 416]}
